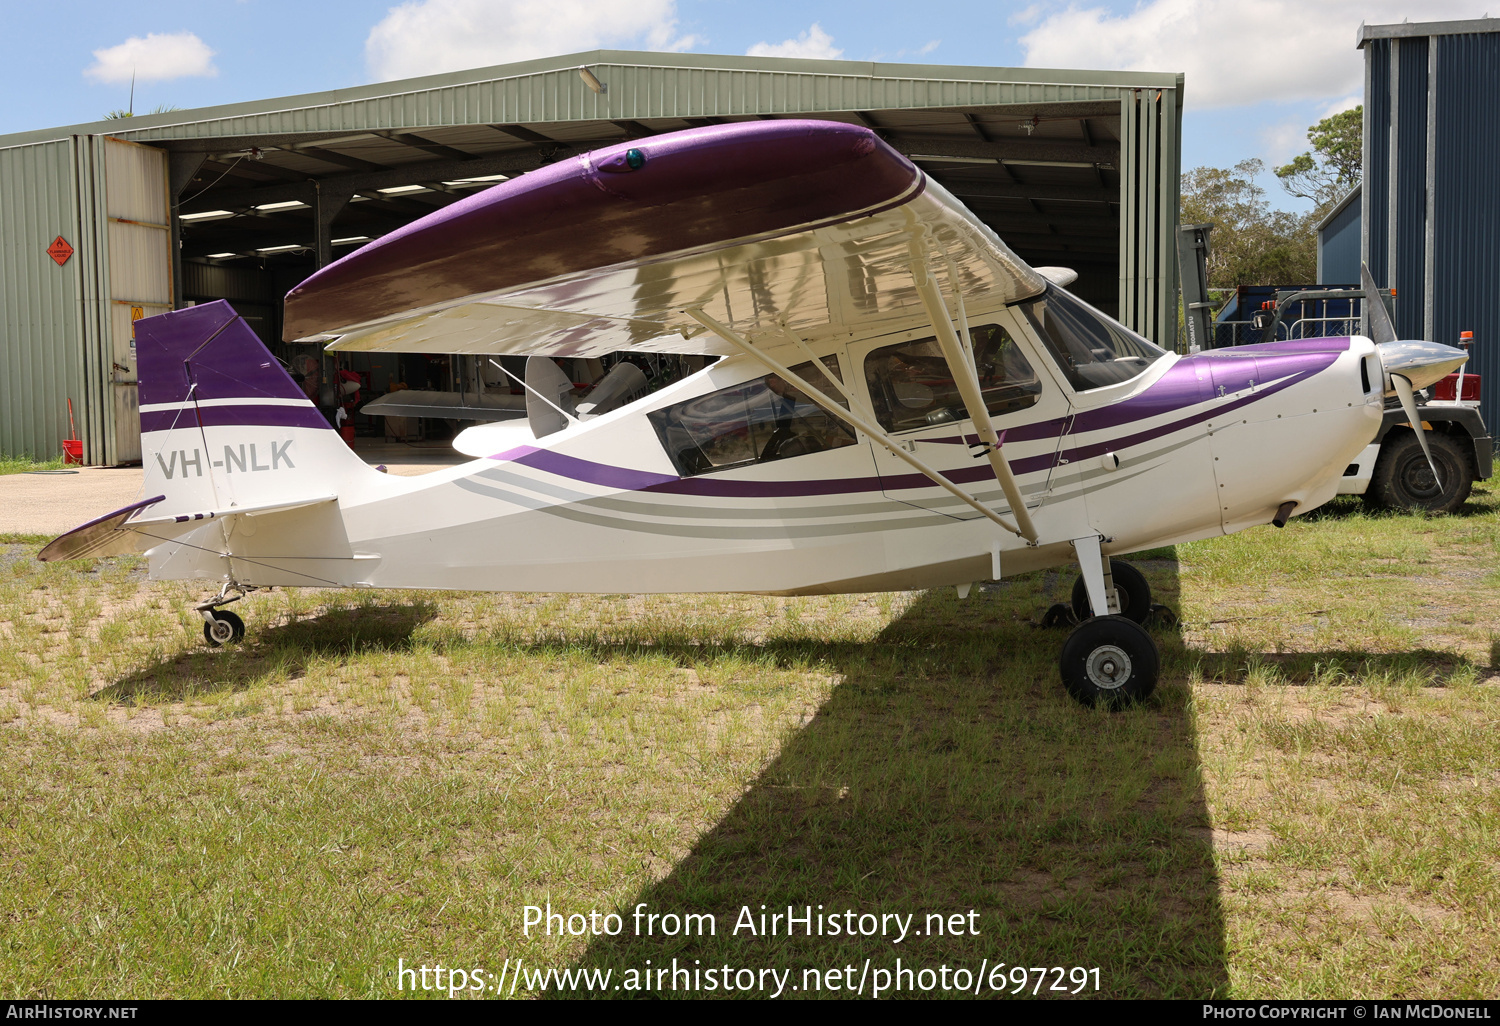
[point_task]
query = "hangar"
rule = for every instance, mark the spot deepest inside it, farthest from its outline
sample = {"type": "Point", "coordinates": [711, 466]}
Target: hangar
{"type": "Point", "coordinates": [1429, 201]}
{"type": "Point", "coordinates": [103, 223]}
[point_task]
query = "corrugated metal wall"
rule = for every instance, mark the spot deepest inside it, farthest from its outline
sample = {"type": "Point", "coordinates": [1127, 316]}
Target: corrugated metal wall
{"type": "Point", "coordinates": [1338, 248]}
{"type": "Point", "coordinates": [1466, 243]}
{"type": "Point", "coordinates": [1440, 189]}
{"type": "Point", "coordinates": [1410, 186]}
{"type": "Point", "coordinates": [641, 90]}
{"type": "Point", "coordinates": [1374, 200]}
{"type": "Point", "coordinates": [1150, 194]}
{"type": "Point", "coordinates": [140, 272]}
{"type": "Point", "coordinates": [41, 304]}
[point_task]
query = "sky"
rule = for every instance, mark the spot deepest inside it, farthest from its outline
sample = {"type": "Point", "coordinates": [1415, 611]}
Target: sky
{"type": "Point", "coordinates": [1259, 72]}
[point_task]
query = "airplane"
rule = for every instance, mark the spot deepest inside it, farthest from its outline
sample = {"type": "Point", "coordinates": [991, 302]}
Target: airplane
{"type": "Point", "coordinates": [897, 402]}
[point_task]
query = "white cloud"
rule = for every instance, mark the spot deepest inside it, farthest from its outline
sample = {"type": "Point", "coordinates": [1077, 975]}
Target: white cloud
{"type": "Point", "coordinates": [1281, 140]}
{"type": "Point", "coordinates": [1026, 16]}
{"type": "Point", "coordinates": [813, 43]}
{"type": "Point", "coordinates": [155, 57]}
{"type": "Point", "coordinates": [1339, 106]}
{"type": "Point", "coordinates": [425, 37]}
{"type": "Point", "coordinates": [1233, 51]}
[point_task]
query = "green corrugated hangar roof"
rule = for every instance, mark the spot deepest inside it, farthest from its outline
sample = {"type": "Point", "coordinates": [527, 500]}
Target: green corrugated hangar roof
{"type": "Point", "coordinates": [1073, 168]}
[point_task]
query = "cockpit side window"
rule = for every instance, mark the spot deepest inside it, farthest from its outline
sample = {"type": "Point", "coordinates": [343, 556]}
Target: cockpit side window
{"type": "Point", "coordinates": [911, 386]}
{"type": "Point", "coordinates": [755, 422]}
{"type": "Point", "coordinates": [1092, 350]}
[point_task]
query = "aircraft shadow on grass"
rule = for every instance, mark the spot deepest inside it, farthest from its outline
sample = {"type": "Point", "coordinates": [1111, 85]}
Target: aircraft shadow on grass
{"type": "Point", "coordinates": [284, 650]}
{"type": "Point", "coordinates": [949, 772]}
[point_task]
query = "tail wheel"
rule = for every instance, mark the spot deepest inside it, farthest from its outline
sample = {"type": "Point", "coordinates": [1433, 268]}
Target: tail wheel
{"type": "Point", "coordinates": [1131, 587]}
{"type": "Point", "coordinates": [1109, 660]}
{"type": "Point", "coordinates": [225, 628]}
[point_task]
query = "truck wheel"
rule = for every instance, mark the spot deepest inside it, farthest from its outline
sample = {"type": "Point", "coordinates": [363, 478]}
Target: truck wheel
{"type": "Point", "coordinates": [1403, 480]}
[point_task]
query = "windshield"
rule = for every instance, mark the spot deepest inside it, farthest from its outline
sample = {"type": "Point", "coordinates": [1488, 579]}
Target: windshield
{"type": "Point", "coordinates": [1092, 349]}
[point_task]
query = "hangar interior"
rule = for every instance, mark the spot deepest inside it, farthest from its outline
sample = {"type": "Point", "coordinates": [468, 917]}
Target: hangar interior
{"type": "Point", "coordinates": [257, 215]}
{"type": "Point", "coordinates": [1070, 168]}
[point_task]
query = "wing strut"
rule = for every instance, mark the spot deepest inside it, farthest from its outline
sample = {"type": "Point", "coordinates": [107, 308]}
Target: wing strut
{"type": "Point", "coordinates": [961, 365]}
{"type": "Point", "coordinates": [850, 416]}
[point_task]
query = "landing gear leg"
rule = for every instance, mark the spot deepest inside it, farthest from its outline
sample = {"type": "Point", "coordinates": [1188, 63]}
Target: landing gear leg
{"type": "Point", "coordinates": [221, 627]}
{"type": "Point", "coordinates": [1109, 658]}
{"type": "Point", "coordinates": [1129, 589]}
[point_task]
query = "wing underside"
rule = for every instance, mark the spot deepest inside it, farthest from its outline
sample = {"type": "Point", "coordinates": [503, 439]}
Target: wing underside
{"type": "Point", "coordinates": [860, 215]}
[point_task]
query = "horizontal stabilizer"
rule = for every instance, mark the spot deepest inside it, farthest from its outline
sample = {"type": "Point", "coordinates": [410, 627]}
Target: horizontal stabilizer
{"type": "Point", "coordinates": [447, 406]}
{"type": "Point", "coordinates": [125, 531]}
{"type": "Point", "coordinates": [108, 535]}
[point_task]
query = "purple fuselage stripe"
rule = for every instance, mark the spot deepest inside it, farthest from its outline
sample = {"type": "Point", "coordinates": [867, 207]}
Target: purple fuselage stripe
{"type": "Point", "coordinates": [593, 473]}
{"type": "Point", "coordinates": [1291, 368]}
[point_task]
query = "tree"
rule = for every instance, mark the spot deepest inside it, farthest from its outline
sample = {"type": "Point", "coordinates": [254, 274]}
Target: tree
{"type": "Point", "coordinates": [1333, 167]}
{"type": "Point", "coordinates": [1251, 244]}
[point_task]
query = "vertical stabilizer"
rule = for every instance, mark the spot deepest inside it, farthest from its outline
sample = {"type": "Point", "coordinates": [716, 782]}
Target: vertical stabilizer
{"type": "Point", "coordinates": [222, 422]}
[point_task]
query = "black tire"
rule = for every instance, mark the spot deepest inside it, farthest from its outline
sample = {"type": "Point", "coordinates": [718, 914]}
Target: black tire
{"type": "Point", "coordinates": [1130, 586]}
{"type": "Point", "coordinates": [1111, 661]}
{"type": "Point", "coordinates": [1403, 480]}
{"type": "Point", "coordinates": [236, 629]}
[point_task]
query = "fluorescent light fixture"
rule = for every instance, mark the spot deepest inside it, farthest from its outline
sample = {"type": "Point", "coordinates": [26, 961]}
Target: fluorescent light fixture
{"type": "Point", "coordinates": [206, 215]}
{"type": "Point", "coordinates": [479, 180]}
{"type": "Point", "coordinates": [590, 80]}
{"type": "Point", "coordinates": [399, 189]}
{"type": "Point", "coordinates": [280, 249]}
{"type": "Point", "coordinates": [221, 256]}
{"type": "Point", "coordinates": [349, 240]}
{"type": "Point", "coordinates": [952, 160]}
{"type": "Point", "coordinates": [283, 205]}
{"type": "Point", "coordinates": [1050, 163]}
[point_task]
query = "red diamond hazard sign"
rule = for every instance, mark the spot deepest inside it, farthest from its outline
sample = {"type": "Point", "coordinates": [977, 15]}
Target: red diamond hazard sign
{"type": "Point", "coordinates": [60, 250]}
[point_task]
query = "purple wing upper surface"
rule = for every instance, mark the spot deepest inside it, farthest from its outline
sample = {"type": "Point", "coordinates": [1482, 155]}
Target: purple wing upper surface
{"type": "Point", "coordinates": [779, 225]}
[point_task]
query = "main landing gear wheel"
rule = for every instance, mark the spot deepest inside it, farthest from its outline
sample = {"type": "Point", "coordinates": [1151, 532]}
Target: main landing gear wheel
{"type": "Point", "coordinates": [1109, 660]}
{"type": "Point", "coordinates": [1130, 586]}
{"type": "Point", "coordinates": [223, 629]}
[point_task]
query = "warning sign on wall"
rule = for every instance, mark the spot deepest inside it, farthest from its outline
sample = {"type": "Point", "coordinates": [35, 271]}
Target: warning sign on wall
{"type": "Point", "coordinates": [60, 250]}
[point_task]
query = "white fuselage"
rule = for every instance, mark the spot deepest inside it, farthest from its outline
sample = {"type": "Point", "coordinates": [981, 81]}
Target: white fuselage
{"type": "Point", "coordinates": [1192, 447]}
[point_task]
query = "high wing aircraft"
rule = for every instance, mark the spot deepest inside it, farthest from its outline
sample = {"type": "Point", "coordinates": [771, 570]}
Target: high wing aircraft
{"type": "Point", "coordinates": [901, 403]}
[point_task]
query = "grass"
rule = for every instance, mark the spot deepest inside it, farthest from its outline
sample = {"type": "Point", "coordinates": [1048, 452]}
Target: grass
{"type": "Point", "coordinates": [26, 464]}
{"type": "Point", "coordinates": [1307, 808]}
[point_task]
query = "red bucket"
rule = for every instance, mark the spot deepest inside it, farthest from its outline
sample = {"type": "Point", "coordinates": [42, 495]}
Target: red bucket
{"type": "Point", "coordinates": [73, 451]}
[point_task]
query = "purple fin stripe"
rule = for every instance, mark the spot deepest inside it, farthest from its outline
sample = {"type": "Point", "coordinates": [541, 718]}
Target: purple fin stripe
{"type": "Point", "coordinates": [248, 415]}
{"type": "Point", "coordinates": [210, 351]}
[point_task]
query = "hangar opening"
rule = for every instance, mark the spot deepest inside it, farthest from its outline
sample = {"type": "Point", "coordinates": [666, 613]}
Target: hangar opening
{"type": "Point", "coordinates": [1071, 168]}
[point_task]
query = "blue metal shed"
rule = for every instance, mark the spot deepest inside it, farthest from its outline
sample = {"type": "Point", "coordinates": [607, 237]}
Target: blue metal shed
{"type": "Point", "coordinates": [1338, 240]}
{"type": "Point", "coordinates": [1431, 198]}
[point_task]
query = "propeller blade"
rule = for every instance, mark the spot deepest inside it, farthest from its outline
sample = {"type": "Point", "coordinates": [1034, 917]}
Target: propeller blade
{"type": "Point", "coordinates": [1409, 407]}
{"type": "Point", "coordinates": [1376, 315]}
